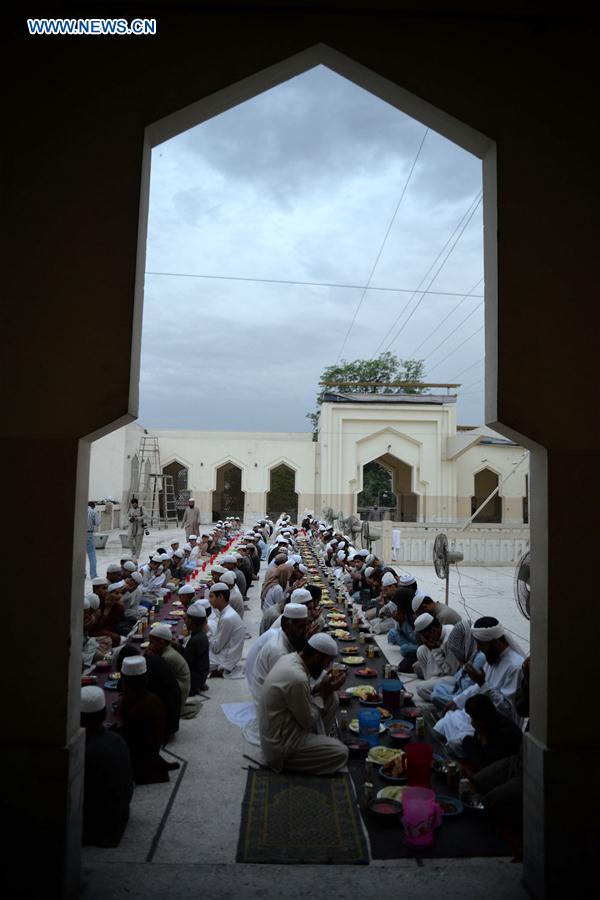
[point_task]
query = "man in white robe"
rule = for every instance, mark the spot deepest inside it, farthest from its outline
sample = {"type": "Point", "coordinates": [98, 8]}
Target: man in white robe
{"type": "Point", "coordinates": [433, 661]}
{"type": "Point", "coordinates": [153, 582]}
{"type": "Point", "coordinates": [137, 525]}
{"type": "Point", "coordinates": [227, 642]}
{"type": "Point", "coordinates": [294, 722]}
{"type": "Point", "coordinates": [236, 601]}
{"type": "Point", "coordinates": [499, 679]}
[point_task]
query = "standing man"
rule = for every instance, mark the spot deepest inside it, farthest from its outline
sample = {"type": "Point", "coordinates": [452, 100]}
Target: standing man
{"type": "Point", "coordinates": [137, 524]}
{"type": "Point", "coordinates": [191, 519]}
{"type": "Point", "coordinates": [93, 522]}
{"type": "Point", "coordinates": [375, 513]}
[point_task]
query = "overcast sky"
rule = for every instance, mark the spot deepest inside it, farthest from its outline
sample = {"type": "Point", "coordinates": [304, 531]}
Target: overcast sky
{"type": "Point", "coordinates": [301, 184]}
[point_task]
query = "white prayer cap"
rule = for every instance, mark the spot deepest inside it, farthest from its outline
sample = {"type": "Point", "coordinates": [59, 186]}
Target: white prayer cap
{"type": "Point", "coordinates": [363, 553]}
{"type": "Point", "coordinates": [219, 588]}
{"type": "Point", "coordinates": [113, 567]}
{"type": "Point", "coordinates": [129, 566]}
{"type": "Point", "coordinates": [92, 699]}
{"type": "Point", "coordinates": [116, 586]}
{"type": "Point", "coordinates": [370, 558]}
{"type": "Point", "coordinates": [162, 631]}
{"type": "Point", "coordinates": [491, 633]}
{"type": "Point", "coordinates": [93, 601]}
{"type": "Point", "coordinates": [228, 578]}
{"type": "Point", "coordinates": [134, 665]}
{"type": "Point", "coordinates": [341, 544]}
{"type": "Point", "coordinates": [388, 579]}
{"type": "Point", "coordinates": [295, 611]}
{"type": "Point", "coordinates": [323, 643]}
{"type": "Point", "coordinates": [186, 589]}
{"type": "Point", "coordinates": [179, 554]}
{"type": "Point", "coordinates": [137, 577]}
{"type": "Point", "coordinates": [205, 603]}
{"type": "Point", "coordinates": [229, 558]}
{"type": "Point", "coordinates": [197, 610]}
{"type": "Point", "coordinates": [303, 569]}
{"type": "Point", "coordinates": [99, 582]}
{"type": "Point", "coordinates": [295, 558]}
{"type": "Point", "coordinates": [417, 600]}
{"type": "Point", "coordinates": [187, 546]}
{"type": "Point", "coordinates": [164, 557]}
{"type": "Point", "coordinates": [369, 571]}
{"type": "Point", "coordinates": [423, 621]}
{"type": "Point", "coordinates": [218, 569]}
{"type": "Point", "coordinates": [341, 555]}
{"type": "Point", "coordinates": [407, 579]}
{"type": "Point", "coordinates": [282, 540]}
{"type": "Point", "coordinates": [193, 537]}
{"type": "Point", "coordinates": [174, 541]}
{"type": "Point", "coordinates": [238, 557]}
{"type": "Point", "coordinates": [301, 595]}
{"type": "Point", "coordinates": [351, 555]}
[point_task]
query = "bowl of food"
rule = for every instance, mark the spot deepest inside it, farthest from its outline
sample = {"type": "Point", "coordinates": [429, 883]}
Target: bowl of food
{"type": "Point", "coordinates": [366, 672]}
{"type": "Point", "coordinates": [345, 698]}
{"type": "Point", "coordinates": [357, 747]}
{"type": "Point", "coordinates": [395, 769]}
{"type": "Point", "coordinates": [450, 806]}
{"type": "Point", "coordinates": [385, 808]}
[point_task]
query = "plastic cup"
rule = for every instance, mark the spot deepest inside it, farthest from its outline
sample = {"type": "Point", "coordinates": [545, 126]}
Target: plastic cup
{"type": "Point", "coordinates": [368, 725]}
{"type": "Point", "coordinates": [420, 815]}
{"type": "Point", "coordinates": [392, 694]}
{"type": "Point", "coordinates": [419, 757]}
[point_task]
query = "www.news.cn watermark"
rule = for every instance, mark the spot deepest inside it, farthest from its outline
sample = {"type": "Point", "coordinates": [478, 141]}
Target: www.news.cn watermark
{"type": "Point", "coordinates": [91, 26]}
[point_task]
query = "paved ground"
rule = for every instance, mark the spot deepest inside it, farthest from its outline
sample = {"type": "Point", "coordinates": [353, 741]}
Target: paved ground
{"type": "Point", "coordinates": [182, 836]}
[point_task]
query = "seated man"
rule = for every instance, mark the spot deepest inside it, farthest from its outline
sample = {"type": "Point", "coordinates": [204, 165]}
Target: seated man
{"type": "Point", "coordinates": [196, 649]}
{"type": "Point", "coordinates": [461, 645]}
{"type": "Point", "coordinates": [227, 642]}
{"type": "Point", "coordinates": [108, 785]}
{"type": "Point", "coordinates": [160, 640]}
{"type": "Point", "coordinates": [236, 601]}
{"type": "Point", "coordinates": [295, 723]}
{"type": "Point", "coordinates": [93, 649]}
{"type": "Point", "coordinates": [444, 614]}
{"type": "Point", "coordinates": [499, 679]}
{"type": "Point", "coordinates": [496, 736]}
{"type": "Point", "coordinates": [291, 636]}
{"type": "Point", "coordinates": [141, 722]}
{"type": "Point", "coordinates": [433, 661]}
{"type": "Point", "coordinates": [109, 618]}
{"type": "Point", "coordinates": [403, 634]}
{"type": "Point", "coordinates": [384, 620]}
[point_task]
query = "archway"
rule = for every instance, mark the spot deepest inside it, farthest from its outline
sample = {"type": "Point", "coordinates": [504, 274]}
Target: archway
{"type": "Point", "coordinates": [486, 481]}
{"type": "Point", "coordinates": [282, 496]}
{"type": "Point", "coordinates": [228, 499]}
{"type": "Point", "coordinates": [387, 482]}
{"type": "Point", "coordinates": [179, 474]}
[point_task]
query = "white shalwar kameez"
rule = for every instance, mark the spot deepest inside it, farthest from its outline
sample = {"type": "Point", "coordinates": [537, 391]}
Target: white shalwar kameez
{"type": "Point", "coordinates": [294, 724]}
{"type": "Point", "coordinates": [227, 643]}
{"type": "Point", "coordinates": [262, 656]}
{"type": "Point", "coordinates": [435, 664]}
{"type": "Point", "coordinates": [501, 682]}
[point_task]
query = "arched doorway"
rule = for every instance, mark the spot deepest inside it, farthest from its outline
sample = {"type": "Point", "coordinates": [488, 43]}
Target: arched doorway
{"type": "Point", "coordinates": [179, 474]}
{"type": "Point", "coordinates": [387, 482]}
{"type": "Point", "coordinates": [486, 482]}
{"type": "Point", "coordinates": [228, 497]}
{"type": "Point", "coordinates": [282, 496]}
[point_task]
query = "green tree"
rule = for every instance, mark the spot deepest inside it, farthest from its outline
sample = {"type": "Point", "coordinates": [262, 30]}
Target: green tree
{"type": "Point", "coordinates": [377, 485]}
{"type": "Point", "coordinates": [381, 370]}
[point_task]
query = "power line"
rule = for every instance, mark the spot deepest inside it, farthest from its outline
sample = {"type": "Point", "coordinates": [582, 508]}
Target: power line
{"type": "Point", "coordinates": [412, 168]}
{"type": "Point", "coordinates": [445, 319]}
{"type": "Point", "coordinates": [473, 384]}
{"type": "Point", "coordinates": [328, 284]}
{"type": "Point", "coordinates": [473, 311]}
{"type": "Point", "coordinates": [471, 208]}
{"type": "Point", "coordinates": [452, 352]}
{"type": "Point", "coordinates": [468, 369]}
{"type": "Point", "coordinates": [415, 308]}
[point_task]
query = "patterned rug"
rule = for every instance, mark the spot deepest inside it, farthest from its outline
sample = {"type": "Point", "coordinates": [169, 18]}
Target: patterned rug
{"type": "Point", "coordinates": [300, 819]}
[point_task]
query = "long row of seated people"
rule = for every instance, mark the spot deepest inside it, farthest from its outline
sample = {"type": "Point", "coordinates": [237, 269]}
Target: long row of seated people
{"type": "Point", "coordinates": [475, 674]}
{"type": "Point", "coordinates": [159, 686]}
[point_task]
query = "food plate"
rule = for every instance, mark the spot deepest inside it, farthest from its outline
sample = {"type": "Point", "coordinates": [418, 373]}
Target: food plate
{"type": "Point", "coordinates": [366, 702]}
{"type": "Point", "coordinates": [411, 712]}
{"type": "Point", "coordinates": [451, 806]}
{"type": "Point", "coordinates": [385, 808]}
{"type": "Point", "coordinates": [360, 690]}
{"type": "Point", "coordinates": [111, 684]}
{"type": "Point", "coordinates": [351, 650]}
{"type": "Point", "coordinates": [353, 660]}
{"type": "Point", "coordinates": [396, 779]}
{"type": "Point", "coordinates": [357, 747]}
{"type": "Point", "coordinates": [473, 802]}
{"type": "Point", "coordinates": [383, 755]}
{"type": "Point", "coordinates": [392, 792]}
{"type": "Point", "coordinates": [353, 726]}
{"type": "Point", "coordinates": [366, 672]}
{"type": "Point", "coordinates": [400, 723]}
{"type": "Point", "coordinates": [327, 603]}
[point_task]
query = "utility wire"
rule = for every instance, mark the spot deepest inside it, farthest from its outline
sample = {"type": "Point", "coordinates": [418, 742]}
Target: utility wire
{"type": "Point", "coordinates": [412, 168]}
{"type": "Point", "coordinates": [452, 352]}
{"type": "Point", "coordinates": [468, 369]}
{"type": "Point", "coordinates": [328, 284]}
{"type": "Point", "coordinates": [415, 308]}
{"type": "Point", "coordinates": [472, 207]}
{"type": "Point", "coordinates": [473, 311]}
{"type": "Point", "coordinates": [445, 319]}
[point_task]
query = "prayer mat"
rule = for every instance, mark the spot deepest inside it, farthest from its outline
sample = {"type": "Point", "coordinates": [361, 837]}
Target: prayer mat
{"type": "Point", "coordinates": [293, 819]}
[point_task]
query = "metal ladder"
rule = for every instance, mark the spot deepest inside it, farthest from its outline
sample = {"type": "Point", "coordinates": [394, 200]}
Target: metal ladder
{"type": "Point", "coordinates": [151, 486]}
